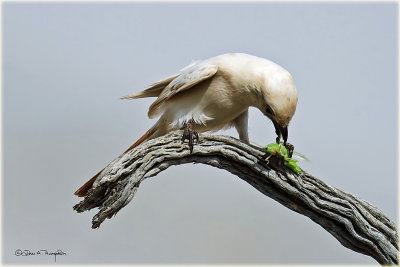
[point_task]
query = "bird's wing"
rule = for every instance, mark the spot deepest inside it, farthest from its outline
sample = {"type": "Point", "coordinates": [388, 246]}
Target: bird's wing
{"type": "Point", "coordinates": [187, 79]}
{"type": "Point", "coordinates": [153, 90]}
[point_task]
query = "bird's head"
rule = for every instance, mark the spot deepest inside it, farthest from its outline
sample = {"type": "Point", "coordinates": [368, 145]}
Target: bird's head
{"type": "Point", "coordinates": [279, 101]}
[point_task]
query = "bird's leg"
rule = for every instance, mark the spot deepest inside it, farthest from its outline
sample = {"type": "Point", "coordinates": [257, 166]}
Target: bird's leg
{"type": "Point", "coordinates": [190, 134]}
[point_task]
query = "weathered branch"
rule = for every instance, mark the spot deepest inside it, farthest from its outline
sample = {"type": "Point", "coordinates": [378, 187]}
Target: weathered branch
{"type": "Point", "coordinates": [355, 223]}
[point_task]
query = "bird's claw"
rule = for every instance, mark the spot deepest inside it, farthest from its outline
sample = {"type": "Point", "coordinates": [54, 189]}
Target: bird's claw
{"type": "Point", "coordinates": [190, 134]}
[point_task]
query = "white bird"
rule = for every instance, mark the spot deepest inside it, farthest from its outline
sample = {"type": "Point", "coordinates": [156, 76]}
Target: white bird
{"type": "Point", "coordinates": [216, 93]}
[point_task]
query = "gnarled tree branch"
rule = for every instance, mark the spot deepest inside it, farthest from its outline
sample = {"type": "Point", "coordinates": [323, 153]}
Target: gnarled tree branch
{"type": "Point", "coordinates": [355, 223]}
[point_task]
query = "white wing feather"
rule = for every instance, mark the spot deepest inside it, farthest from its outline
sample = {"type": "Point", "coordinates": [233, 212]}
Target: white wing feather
{"type": "Point", "coordinates": [191, 76]}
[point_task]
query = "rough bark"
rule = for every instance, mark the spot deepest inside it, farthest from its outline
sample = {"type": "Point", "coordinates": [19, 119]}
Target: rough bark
{"type": "Point", "coordinates": [355, 223]}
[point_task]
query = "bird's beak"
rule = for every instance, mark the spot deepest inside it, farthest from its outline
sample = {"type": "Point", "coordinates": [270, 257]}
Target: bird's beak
{"type": "Point", "coordinates": [281, 131]}
{"type": "Point", "coordinates": [284, 132]}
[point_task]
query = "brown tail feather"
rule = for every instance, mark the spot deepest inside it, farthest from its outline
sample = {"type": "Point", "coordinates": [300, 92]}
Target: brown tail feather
{"type": "Point", "coordinates": [81, 192]}
{"type": "Point", "coordinates": [143, 138]}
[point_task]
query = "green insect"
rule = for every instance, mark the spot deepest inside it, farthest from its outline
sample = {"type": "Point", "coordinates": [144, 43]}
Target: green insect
{"type": "Point", "coordinates": [280, 150]}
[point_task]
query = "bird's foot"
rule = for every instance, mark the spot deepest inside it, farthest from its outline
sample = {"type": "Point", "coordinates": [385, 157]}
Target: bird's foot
{"type": "Point", "coordinates": [290, 149]}
{"type": "Point", "coordinates": [190, 134]}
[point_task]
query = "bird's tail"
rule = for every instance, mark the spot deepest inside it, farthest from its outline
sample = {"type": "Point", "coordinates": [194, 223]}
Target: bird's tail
{"type": "Point", "coordinates": [81, 192]}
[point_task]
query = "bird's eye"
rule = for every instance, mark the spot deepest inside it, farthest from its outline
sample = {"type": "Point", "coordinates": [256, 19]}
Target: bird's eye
{"type": "Point", "coordinates": [269, 110]}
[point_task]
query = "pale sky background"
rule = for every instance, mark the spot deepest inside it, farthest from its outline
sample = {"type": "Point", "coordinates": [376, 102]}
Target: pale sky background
{"type": "Point", "coordinates": [65, 66]}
